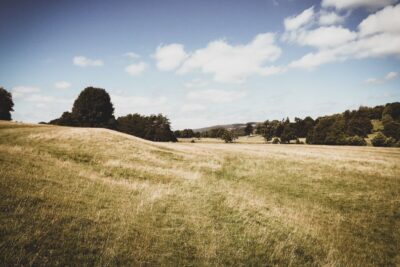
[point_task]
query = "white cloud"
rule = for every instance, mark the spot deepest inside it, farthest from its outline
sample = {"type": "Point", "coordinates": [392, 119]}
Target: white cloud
{"type": "Point", "coordinates": [350, 4]}
{"type": "Point", "coordinates": [216, 96]}
{"type": "Point", "coordinates": [388, 77]}
{"type": "Point", "coordinates": [132, 55]}
{"type": "Point", "coordinates": [295, 22]}
{"type": "Point", "coordinates": [376, 38]}
{"type": "Point", "coordinates": [234, 64]}
{"type": "Point", "coordinates": [196, 83]}
{"type": "Point", "coordinates": [136, 69]}
{"type": "Point", "coordinates": [62, 85]}
{"type": "Point", "coordinates": [191, 107]}
{"type": "Point", "coordinates": [169, 57]}
{"type": "Point", "coordinates": [323, 37]}
{"type": "Point", "coordinates": [20, 91]}
{"type": "Point", "coordinates": [330, 18]}
{"type": "Point", "coordinates": [87, 62]}
{"type": "Point", "coordinates": [391, 75]}
{"type": "Point", "coordinates": [386, 20]}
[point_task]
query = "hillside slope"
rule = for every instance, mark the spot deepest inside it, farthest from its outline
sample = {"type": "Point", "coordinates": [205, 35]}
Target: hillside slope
{"type": "Point", "coordinates": [77, 196]}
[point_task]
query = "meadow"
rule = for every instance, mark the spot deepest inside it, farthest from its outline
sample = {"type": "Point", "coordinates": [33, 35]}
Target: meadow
{"type": "Point", "coordinates": [80, 196]}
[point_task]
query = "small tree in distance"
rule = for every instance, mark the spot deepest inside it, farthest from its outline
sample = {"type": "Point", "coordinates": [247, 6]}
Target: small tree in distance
{"type": "Point", "coordinates": [6, 104]}
{"type": "Point", "coordinates": [248, 130]}
{"type": "Point", "coordinates": [228, 136]}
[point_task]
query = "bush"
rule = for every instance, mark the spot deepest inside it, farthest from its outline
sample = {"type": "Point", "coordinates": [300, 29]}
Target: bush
{"type": "Point", "coordinates": [379, 140]}
{"type": "Point", "coordinates": [298, 142]}
{"type": "Point", "coordinates": [355, 141]}
{"type": "Point", "coordinates": [390, 141]}
{"type": "Point", "coordinates": [276, 140]}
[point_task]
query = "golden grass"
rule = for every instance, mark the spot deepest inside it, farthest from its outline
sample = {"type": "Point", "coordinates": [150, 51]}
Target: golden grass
{"type": "Point", "coordinates": [76, 196]}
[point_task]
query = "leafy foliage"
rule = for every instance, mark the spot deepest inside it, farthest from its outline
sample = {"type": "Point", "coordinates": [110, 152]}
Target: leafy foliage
{"type": "Point", "coordinates": [93, 108]}
{"type": "Point", "coordinates": [153, 127]}
{"type": "Point", "coordinates": [6, 104]}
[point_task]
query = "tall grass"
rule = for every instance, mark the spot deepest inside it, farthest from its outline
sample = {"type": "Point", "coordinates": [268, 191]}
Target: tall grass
{"type": "Point", "coordinates": [74, 196]}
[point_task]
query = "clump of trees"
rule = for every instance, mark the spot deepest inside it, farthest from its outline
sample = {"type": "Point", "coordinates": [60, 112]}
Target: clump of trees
{"type": "Point", "coordinates": [6, 104]}
{"type": "Point", "coordinates": [153, 127]}
{"type": "Point", "coordinates": [93, 108]}
{"type": "Point", "coordinates": [186, 133]}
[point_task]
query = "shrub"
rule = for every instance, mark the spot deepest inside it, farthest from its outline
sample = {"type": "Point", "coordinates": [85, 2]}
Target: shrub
{"type": "Point", "coordinates": [390, 141]}
{"type": "Point", "coordinates": [379, 140]}
{"type": "Point", "coordinates": [276, 140]}
{"type": "Point", "coordinates": [355, 141]}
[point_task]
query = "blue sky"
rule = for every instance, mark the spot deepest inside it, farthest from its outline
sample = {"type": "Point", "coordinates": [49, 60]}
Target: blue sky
{"type": "Point", "coordinates": [201, 62]}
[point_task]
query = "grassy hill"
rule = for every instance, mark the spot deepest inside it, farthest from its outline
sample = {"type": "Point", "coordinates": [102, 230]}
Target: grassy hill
{"type": "Point", "coordinates": [78, 196]}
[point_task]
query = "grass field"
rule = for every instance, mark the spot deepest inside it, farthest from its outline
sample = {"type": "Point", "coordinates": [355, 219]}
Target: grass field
{"type": "Point", "coordinates": [76, 196]}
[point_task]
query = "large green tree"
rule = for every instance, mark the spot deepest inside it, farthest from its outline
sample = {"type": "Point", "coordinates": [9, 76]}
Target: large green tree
{"type": "Point", "coordinates": [6, 104]}
{"type": "Point", "coordinates": [93, 108]}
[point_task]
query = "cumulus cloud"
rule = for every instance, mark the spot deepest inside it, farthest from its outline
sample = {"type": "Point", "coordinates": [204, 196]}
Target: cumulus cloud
{"type": "Point", "coordinates": [386, 20]}
{"type": "Point", "coordinates": [82, 61]}
{"type": "Point", "coordinates": [215, 96]}
{"type": "Point", "coordinates": [330, 18]}
{"type": "Point", "coordinates": [169, 57]}
{"type": "Point", "coordinates": [235, 63]}
{"type": "Point", "coordinates": [376, 37]}
{"type": "Point", "coordinates": [350, 4]}
{"type": "Point", "coordinates": [323, 37]}
{"type": "Point", "coordinates": [20, 91]}
{"type": "Point", "coordinates": [62, 85]}
{"type": "Point", "coordinates": [136, 69]}
{"type": "Point", "coordinates": [388, 77]}
{"type": "Point", "coordinates": [295, 22]}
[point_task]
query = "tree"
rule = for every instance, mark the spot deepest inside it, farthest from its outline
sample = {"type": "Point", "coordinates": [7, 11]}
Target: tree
{"type": "Point", "coordinates": [153, 127]}
{"type": "Point", "coordinates": [93, 108]}
{"type": "Point", "coordinates": [392, 129]}
{"type": "Point", "coordinates": [248, 130]}
{"type": "Point", "coordinates": [228, 136]}
{"type": "Point", "coordinates": [392, 109]}
{"type": "Point", "coordinates": [6, 104]}
{"type": "Point", "coordinates": [359, 125]}
{"type": "Point", "coordinates": [289, 133]}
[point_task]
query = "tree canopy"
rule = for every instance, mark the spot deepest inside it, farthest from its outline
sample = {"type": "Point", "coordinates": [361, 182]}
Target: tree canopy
{"type": "Point", "coordinates": [6, 104]}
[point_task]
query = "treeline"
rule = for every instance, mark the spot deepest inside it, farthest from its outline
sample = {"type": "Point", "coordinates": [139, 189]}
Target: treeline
{"type": "Point", "coordinates": [93, 108]}
{"type": "Point", "coordinates": [347, 128]}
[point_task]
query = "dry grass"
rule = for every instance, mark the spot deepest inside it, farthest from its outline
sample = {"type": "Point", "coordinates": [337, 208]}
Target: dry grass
{"type": "Point", "coordinates": [73, 196]}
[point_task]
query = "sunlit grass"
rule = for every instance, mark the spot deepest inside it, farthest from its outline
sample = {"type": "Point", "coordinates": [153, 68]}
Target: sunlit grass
{"type": "Point", "coordinates": [73, 196]}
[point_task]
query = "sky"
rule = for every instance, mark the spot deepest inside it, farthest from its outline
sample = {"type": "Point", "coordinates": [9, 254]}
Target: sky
{"type": "Point", "coordinates": [201, 62]}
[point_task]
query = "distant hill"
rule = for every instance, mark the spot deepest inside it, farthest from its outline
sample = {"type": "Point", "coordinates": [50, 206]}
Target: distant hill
{"type": "Point", "coordinates": [233, 126]}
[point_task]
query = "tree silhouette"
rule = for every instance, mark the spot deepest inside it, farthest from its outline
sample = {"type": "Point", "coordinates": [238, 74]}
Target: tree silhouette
{"type": "Point", "coordinates": [6, 104]}
{"type": "Point", "coordinates": [93, 108]}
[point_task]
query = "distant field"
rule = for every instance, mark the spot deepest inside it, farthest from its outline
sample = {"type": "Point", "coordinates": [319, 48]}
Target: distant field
{"type": "Point", "coordinates": [78, 196]}
{"type": "Point", "coordinates": [254, 139]}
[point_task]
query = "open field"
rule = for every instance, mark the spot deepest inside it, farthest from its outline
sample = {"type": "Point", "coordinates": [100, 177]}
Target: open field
{"type": "Point", "coordinates": [77, 196]}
